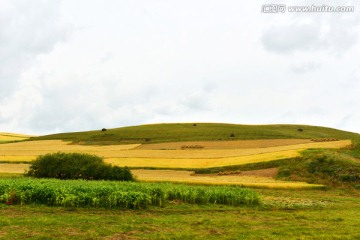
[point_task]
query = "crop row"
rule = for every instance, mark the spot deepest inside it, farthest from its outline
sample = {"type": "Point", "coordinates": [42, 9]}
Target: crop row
{"type": "Point", "coordinates": [111, 194]}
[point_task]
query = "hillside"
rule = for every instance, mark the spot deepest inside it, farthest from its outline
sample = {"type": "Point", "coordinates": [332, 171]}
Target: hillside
{"type": "Point", "coordinates": [156, 133]}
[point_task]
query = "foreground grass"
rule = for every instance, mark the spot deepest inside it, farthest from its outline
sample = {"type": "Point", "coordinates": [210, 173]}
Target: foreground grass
{"type": "Point", "coordinates": [287, 214]}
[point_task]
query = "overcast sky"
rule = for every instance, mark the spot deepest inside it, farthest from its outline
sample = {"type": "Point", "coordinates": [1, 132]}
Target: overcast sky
{"type": "Point", "coordinates": [80, 65]}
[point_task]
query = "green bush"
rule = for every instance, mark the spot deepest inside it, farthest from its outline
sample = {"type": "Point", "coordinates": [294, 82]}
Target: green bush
{"type": "Point", "coordinates": [76, 166]}
{"type": "Point", "coordinates": [324, 167]}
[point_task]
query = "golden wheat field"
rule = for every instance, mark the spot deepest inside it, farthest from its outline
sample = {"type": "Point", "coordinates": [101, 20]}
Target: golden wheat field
{"type": "Point", "coordinates": [201, 162]}
{"type": "Point", "coordinates": [233, 144]}
{"type": "Point", "coordinates": [13, 168]}
{"type": "Point", "coordinates": [121, 154]}
{"type": "Point", "coordinates": [8, 137]}
{"type": "Point", "coordinates": [189, 177]}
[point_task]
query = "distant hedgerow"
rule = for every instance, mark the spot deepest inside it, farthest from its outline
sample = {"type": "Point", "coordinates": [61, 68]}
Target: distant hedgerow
{"type": "Point", "coordinates": [76, 166]}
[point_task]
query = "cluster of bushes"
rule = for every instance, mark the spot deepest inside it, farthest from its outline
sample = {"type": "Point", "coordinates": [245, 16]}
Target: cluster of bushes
{"type": "Point", "coordinates": [77, 166]}
{"type": "Point", "coordinates": [323, 167]}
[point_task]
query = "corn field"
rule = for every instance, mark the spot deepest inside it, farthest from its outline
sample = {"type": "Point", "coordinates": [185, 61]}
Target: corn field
{"type": "Point", "coordinates": [111, 194]}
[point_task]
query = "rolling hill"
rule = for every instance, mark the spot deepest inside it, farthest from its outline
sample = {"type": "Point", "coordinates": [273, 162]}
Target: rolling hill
{"type": "Point", "coordinates": [174, 132]}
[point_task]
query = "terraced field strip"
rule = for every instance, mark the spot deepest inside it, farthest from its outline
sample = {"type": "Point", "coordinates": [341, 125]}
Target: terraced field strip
{"type": "Point", "coordinates": [26, 151]}
{"type": "Point", "coordinates": [201, 162]}
{"type": "Point", "coordinates": [189, 177]}
{"type": "Point", "coordinates": [233, 144]}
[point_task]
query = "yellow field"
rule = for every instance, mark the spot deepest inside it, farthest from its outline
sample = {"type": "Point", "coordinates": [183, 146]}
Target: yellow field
{"type": "Point", "coordinates": [189, 177]}
{"type": "Point", "coordinates": [136, 155]}
{"type": "Point", "coordinates": [130, 155]}
{"type": "Point", "coordinates": [233, 144]}
{"type": "Point", "coordinates": [8, 137]}
{"type": "Point", "coordinates": [13, 168]}
{"type": "Point", "coordinates": [201, 162]}
{"type": "Point", "coordinates": [35, 148]}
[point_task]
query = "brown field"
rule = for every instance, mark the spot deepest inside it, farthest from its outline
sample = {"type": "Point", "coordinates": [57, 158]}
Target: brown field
{"type": "Point", "coordinates": [235, 144]}
{"type": "Point", "coordinates": [189, 177]}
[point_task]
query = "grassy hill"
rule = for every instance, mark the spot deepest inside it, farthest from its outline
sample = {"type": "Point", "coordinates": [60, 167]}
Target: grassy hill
{"type": "Point", "coordinates": [155, 133]}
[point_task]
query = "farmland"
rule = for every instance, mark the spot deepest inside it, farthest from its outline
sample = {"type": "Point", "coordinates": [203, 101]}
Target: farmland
{"type": "Point", "coordinates": [26, 151]}
{"type": "Point", "coordinates": [239, 152]}
{"type": "Point", "coordinates": [284, 214]}
{"type": "Point", "coordinates": [125, 195]}
{"type": "Point", "coordinates": [210, 205]}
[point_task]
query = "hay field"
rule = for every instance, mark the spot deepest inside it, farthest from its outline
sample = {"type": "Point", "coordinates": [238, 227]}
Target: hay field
{"type": "Point", "coordinates": [35, 148]}
{"type": "Point", "coordinates": [27, 151]}
{"type": "Point", "coordinates": [130, 155]}
{"type": "Point", "coordinates": [201, 162]}
{"type": "Point", "coordinates": [189, 177]}
{"type": "Point", "coordinates": [233, 144]}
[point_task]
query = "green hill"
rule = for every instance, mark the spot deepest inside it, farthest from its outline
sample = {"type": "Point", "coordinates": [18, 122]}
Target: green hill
{"type": "Point", "coordinates": [155, 133]}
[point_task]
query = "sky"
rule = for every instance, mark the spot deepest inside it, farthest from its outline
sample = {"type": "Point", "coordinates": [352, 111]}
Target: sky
{"type": "Point", "coordinates": [89, 64]}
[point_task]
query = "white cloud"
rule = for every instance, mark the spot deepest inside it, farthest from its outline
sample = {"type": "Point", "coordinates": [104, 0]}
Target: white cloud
{"type": "Point", "coordinates": [93, 64]}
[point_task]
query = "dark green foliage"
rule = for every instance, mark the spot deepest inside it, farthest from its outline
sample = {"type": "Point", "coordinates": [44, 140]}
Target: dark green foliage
{"type": "Point", "coordinates": [327, 167]}
{"type": "Point", "coordinates": [76, 166]}
{"type": "Point", "coordinates": [110, 194]}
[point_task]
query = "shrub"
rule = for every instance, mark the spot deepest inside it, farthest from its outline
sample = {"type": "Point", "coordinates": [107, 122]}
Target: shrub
{"type": "Point", "coordinates": [323, 167]}
{"type": "Point", "coordinates": [76, 166]}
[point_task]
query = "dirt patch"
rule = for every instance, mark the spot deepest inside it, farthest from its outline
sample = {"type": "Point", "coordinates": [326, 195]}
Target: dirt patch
{"type": "Point", "coordinates": [2, 233]}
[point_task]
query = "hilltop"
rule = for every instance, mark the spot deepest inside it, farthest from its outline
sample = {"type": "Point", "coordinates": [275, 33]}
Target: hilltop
{"type": "Point", "coordinates": [174, 132]}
